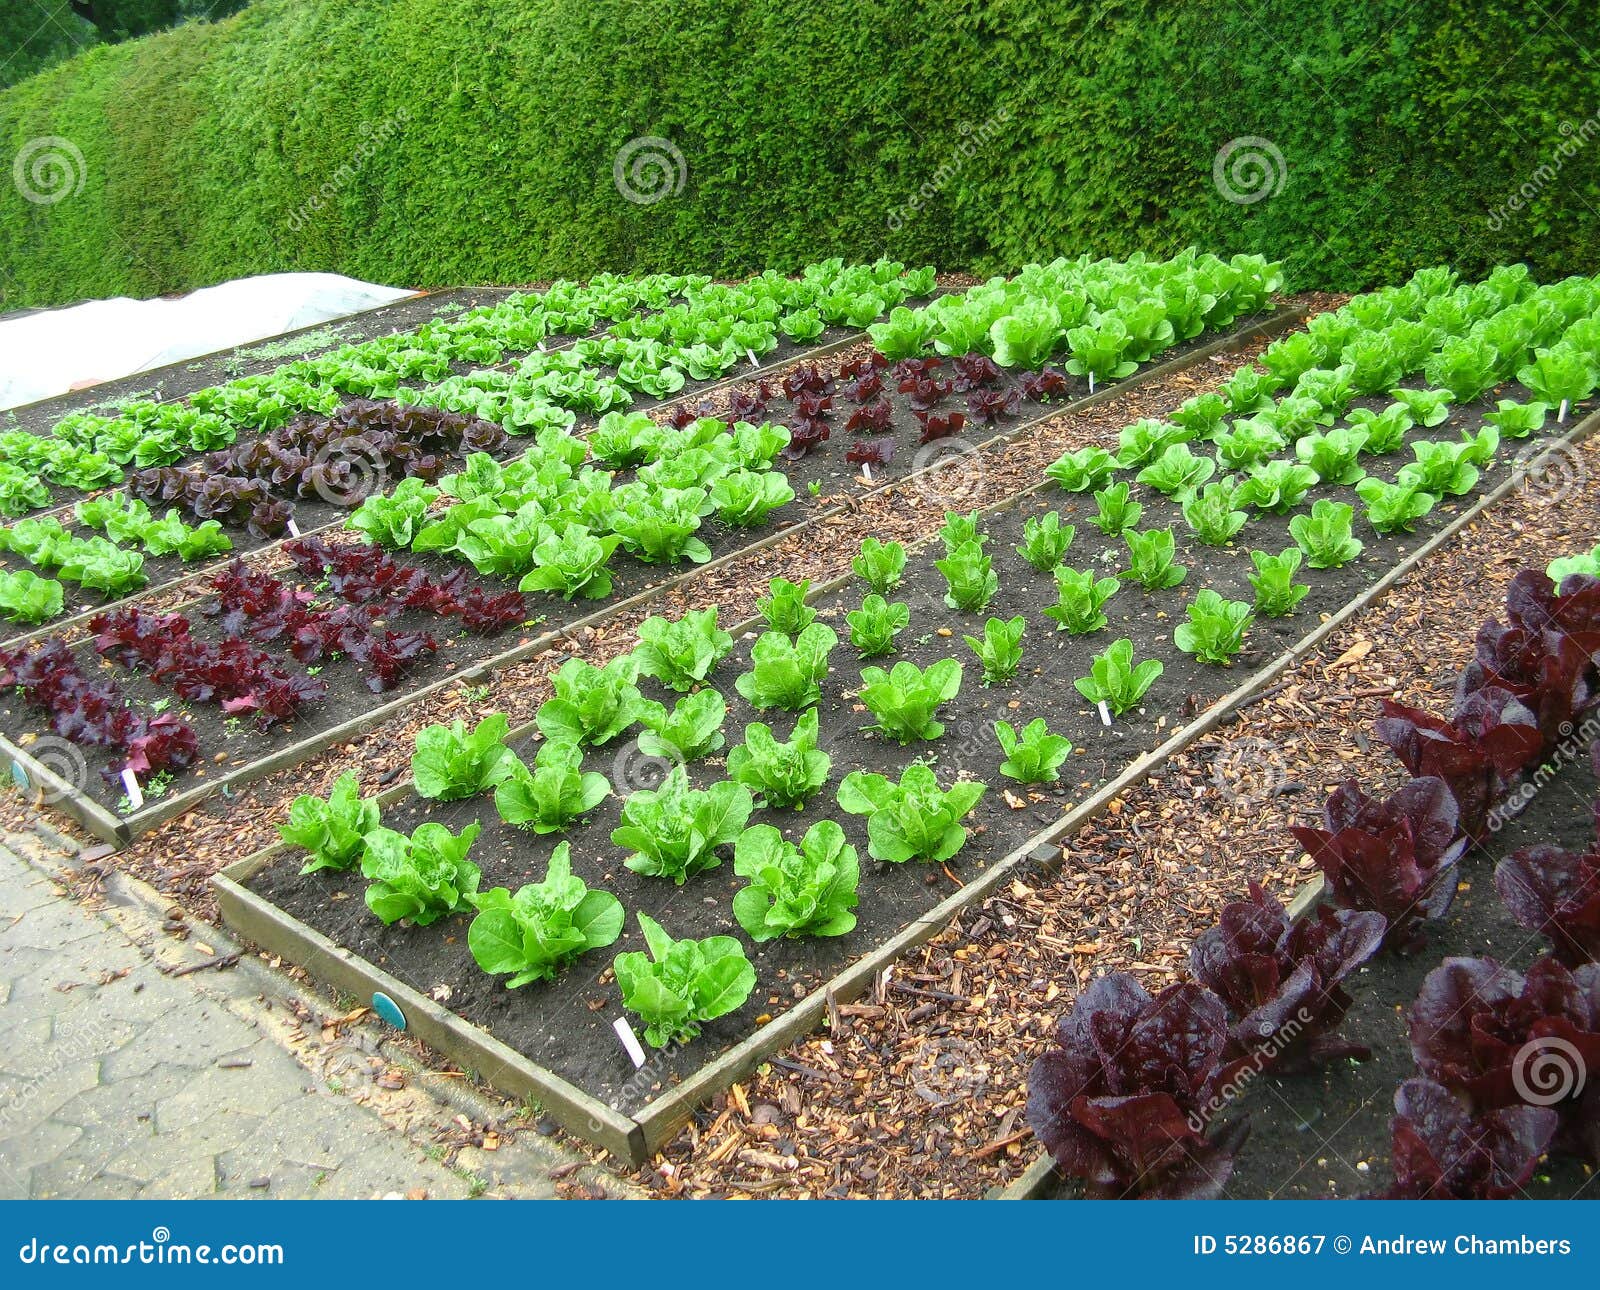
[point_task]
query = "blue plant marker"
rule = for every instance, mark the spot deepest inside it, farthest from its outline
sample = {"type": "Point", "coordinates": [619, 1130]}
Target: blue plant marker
{"type": "Point", "coordinates": [388, 1010]}
{"type": "Point", "coordinates": [19, 773]}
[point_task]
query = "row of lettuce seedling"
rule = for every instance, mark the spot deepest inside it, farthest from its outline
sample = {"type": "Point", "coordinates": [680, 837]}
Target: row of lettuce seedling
{"type": "Point", "coordinates": [1130, 1100]}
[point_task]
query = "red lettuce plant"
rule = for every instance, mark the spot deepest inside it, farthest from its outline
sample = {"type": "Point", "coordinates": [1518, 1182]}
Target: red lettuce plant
{"type": "Point", "coordinates": [1043, 385]}
{"type": "Point", "coordinates": [1119, 1102]}
{"type": "Point", "coordinates": [1442, 1152]}
{"type": "Point", "coordinates": [1281, 980]}
{"type": "Point", "coordinates": [1396, 856]}
{"type": "Point", "coordinates": [871, 418]}
{"type": "Point", "coordinates": [1556, 892]}
{"type": "Point", "coordinates": [988, 406]}
{"type": "Point", "coordinates": [865, 388]}
{"type": "Point", "coordinates": [940, 425]}
{"type": "Point", "coordinates": [872, 452]}
{"type": "Point", "coordinates": [924, 393]}
{"type": "Point", "coordinates": [808, 378]}
{"type": "Point", "coordinates": [975, 372]}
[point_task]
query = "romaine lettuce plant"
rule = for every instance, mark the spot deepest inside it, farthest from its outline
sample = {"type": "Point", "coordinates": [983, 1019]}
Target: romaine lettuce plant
{"type": "Point", "coordinates": [1115, 512]}
{"type": "Point", "coordinates": [1324, 535]}
{"type": "Point", "coordinates": [1032, 755]}
{"type": "Point", "coordinates": [787, 672]}
{"type": "Point", "coordinates": [1248, 443]}
{"type": "Point", "coordinates": [682, 653]}
{"type": "Point", "coordinates": [1394, 508]}
{"type": "Point", "coordinates": [1276, 486]}
{"type": "Point", "coordinates": [592, 705]}
{"type": "Point", "coordinates": [914, 819]}
{"type": "Point", "coordinates": [1082, 471]}
{"type": "Point", "coordinates": [969, 574]}
{"type": "Point", "coordinates": [1427, 407]}
{"type": "Point", "coordinates": [1114, 680]}
{"type": "Point", "coordinates": [1386, 430]}
{"type": "Point", "coordinates": [332, 829]}
{"type": "Point", "coordinates": [449, 763]}
{"type": "Point", "coordinates": [687, 731]}
{"type": "Point", "coordinates": [537, 933]}
{"type": "Point", "coordinates": [784, 774]}
{"type": "Point", "coordinates": [1080, 598]}
{"type": "Point", "coordinates": [1145, 441]}
{"type": "Point", "coordinates": [25, 597]}
{"type": "Point", "coordinates": [571, 562]}
{"type": "Point", "coordinates": [1210, 514]}
{"type": "Point", "coordinates": [880, 564]}
{"type": "Point", "coordinates": [875, 625]}
{"type": "Point", "coordinates": [555, 792]}
{"type": "Point", "coordinates": [784, 606]}
{"type": "Point", "coordinates": [1216, 627]}
{"type": "Point", "coordinates": [1556, 893]}
{"type": "Point", "coordinates": [809, 890]}
{"type": "Point", "coordinates": [1442, 468]}
{"type": "Point", "coordinates": [1334, 455]}
{"type": "Point", "coordinates": [680, 985]}
{"type": "Point", "coordinates": [1150, 558]}
{"type": "Point", "coordinates": [1442, 1152]}
{"type": "Point", "coordinates": [1277, 593]}
{"type": "Point", "coordinates": [1561, 376]}
{"type": "Point", "coordinates": [674, 831]}
{"type": "Point", "coordinates": [906, 698]}
{"type": "Point", "coordinates": [999, 649]}
{"type": "Point", "coordinates": [424, 877]}
{"type": "Point", "coordinates": [658, 525]}
{"type": "Point", "coordinates": [1177, 472]}
{"type": "Point", "coordinates": [1463, 365]}
{"type": "Point", "coordinates": [1045, 540]}
{"type": "Point", "coordinates": [1517, 420]}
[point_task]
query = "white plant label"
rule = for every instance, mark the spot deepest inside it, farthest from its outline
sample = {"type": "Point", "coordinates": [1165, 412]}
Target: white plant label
{"type": "Point", "coordinates": [294, 529]}
{"type": "Point", "coordinates": [630, 1041]}
{"type": "Point", "coordinates": [1105, 714]}
{"type": "Point", "coordinates": [130, 781]}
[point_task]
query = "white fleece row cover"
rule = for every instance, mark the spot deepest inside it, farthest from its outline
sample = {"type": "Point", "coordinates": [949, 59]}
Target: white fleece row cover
{"type": "Point", "coordinates": [58, 350]}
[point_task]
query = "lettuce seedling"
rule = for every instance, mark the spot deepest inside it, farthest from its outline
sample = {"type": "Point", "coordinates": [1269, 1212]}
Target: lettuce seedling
{"type": "Point", "coordinates": [787, 673]}
{"type": "Point", "coordinates": [556, 791]}
{"type": "Point", "coordinates": [1480, 448]}
{"type": "Point", "coordinates": [1080, 597]}
{"type": "Point", "coordinates": [334, 829]}
{"type": "Point", "coordinates": [1324, 535]}
{"type": "Point", "coordinates": [914, 819]}
{"type": "Point", "coordinates": [1394, 508]}
{"type": "Point", "coordinates": [1277, 593]}
{"type": "Point", "coordinates": [999, 649]}
{"type": "Point", "coordinates": [784, 606]}
{"type": "Point", "coordinates": [961, 530]}
{"type": "Point", "coordinates": [25, 597]}
{"type": "Point", "coordinates": [592, 705]}
{"type": "Point", "coordinates": [784, 774]}
{"type": "Point", "coordinates": [1210, 514]}
{"type": "Point", "coordinates": [1116, 513]}
{"type": "Point", "coordinates": [906, 698]}
{"type": "Point", "coordinates": [424, 877]}
{"type": "Point", "coordinates": [1146, 441]}
{"type": "Point", "coordinates": [449, 763]}
{"type": "Point", "coordinates": [970, 576]}
{"type": "Point", "coordinates": [1082, 471]}
{"type": "Point", "coordinates": [1114, 680]}
{"type": "Point", "coordinates": [1427, 407]}
{"type": "Point", "coordinates": [875, 625]}
{"type": "Point", "coordinates": [537, 933]}
{"type": "Point", "coordinates": [880, 564]}
{"type": "Point", "coordinates": [1517, 420]}
{"type": "Point", "coordinates": [674, 831]}
{"type": "Point", "coordinates": [680, 985]}
{"type": "Point", "coordinates": [745, 498]}
{"type": "Point", "coordinates": [627, 440]}
{"type": "Point", "coordinates": [658, 525]}
{"type": "Point", "coordinates": [809, 890]}
{"type": "Point", "coordinates": [571, 562]}
{"type": "Point", "coordinates": [689, 730]}
{"type": "Point", "coordinates": [1334, 455]}
{"type": "Point", "coordinates": [1216, 627]}
{"type": "Point", "coordinates": [1276, 486]}
{"type": "Point", "coordinates": [1045, 540]}
{"type": "Point", "coordinates": [1248, 444]}
{"type": "Point", "coordinates": [1150, 557]}
{"type": "Point", "coordinates": [1033, 755]}
{"type": "Point", "coordinates": [1386, 430]}
{"type": "Point", "coordinates": [1177, 472]}
{"type": "Point", "coordinates": [681, 654]}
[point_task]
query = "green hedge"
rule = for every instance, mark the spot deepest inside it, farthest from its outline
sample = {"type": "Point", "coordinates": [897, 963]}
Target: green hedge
{"type": "Point", "coordinates": [464, 142]}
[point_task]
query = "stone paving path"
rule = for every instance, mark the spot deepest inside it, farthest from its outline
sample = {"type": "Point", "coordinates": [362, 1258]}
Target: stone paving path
{"type": "Point", "coordinates": [118, 1079]}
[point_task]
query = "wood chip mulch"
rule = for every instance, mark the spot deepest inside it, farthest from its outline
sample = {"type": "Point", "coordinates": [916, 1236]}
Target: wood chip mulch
{"type": "Point", "coordinates": [918, 1091]}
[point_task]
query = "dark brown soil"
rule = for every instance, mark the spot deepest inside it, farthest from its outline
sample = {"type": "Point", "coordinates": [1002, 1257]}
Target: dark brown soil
{"type": "Point", "coordinates": [566, 1024]}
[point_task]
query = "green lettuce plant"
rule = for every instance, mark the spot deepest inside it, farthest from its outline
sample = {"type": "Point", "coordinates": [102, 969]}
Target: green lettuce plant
{"type": "Point", "coordinates": [1277, 486]}
{"type": "Point", "coordinates": [449, 763]}
{"type": "Point", "coordinates": [1324, 535]}
{"type": "Point", "coordinates": [1145, 441]}
{"type": "Point", "coordinates": [1385, 430]}
{"type": "Point", "coordinates": [809, 890]}
{"type": "Point", "coordinates": [787, 672]}
{"type": "Point", "coordinates": [25, 597]}
{"type": "Point", "coordinates": [1277, 593]}
{"type": "Point", "coordinates": [1248, 443]}
{"type": "Point", "coordinates": [1082, 471]}
{"type": "Point", "coordinates": [1210, 514]}
{"type": "Point", "coordinates": [424, 877]}
{"type": "Point", "coordinates": [1427, 407]}
{"type": "Point", "coordinates": [680, 985]}
{"type": "Point", "coordinates": [1151, 559]}
{"type": "Point", "coordinates": [880, 564]}
{"type": "Point", "coordinates": [592, 705]}
{"type": "Point", "coordinates": [687, 731]}
{"type": "Point", "coordinates": [681, 653]}
{"type": "Point", "coordinates": [1116, 513]}
{"type": "Point", "coordinates": [914, 819]}
{"type": "Point", "coordinates": [1115, 681]}
{"type": "Point", "coordinates": [1394, 508]}
{"type": "Point", "coordinates": [745, 498]}
{"type": "Point", "coordinates": [875, 625]}
{"type": "Point", "coordinates": [571, 562]}
{"type": "Point", "coordinates": [999, 649]}
{"type": "Point", "coordinates": [969, 574]}
{"type": "Point", "coordinates": [1334, 455]}
{"type": "Point", "coordinates": [1080, 597]}
{"type": "Point", "coordinates": [674, 831]}
{"type": "Point", "coordinates": [333, 830]}
{"type": "Point", "coordinates": [537, 932]}
{"type": "Point", "coordinates": [553, 793]}
{"type": "Point", "coordinates": [1177, 472]}
{"type": "Point", "coordinates": [1442, 468]}
{"type": "Point", "coordinates": [1045, 540]}
{"type": "Point", "coordinates": [782, 773]}
{"type": "Point", "coordinates": [1216, 627]}
{"type": "Point", "coordinates": [784, 606]}
{"type": "Point", "coordinates": [1033, 755]}
{"type": "Point", "coordinates": [906, 698]}
{"type": "Point", "coordinates": [1518, 420]}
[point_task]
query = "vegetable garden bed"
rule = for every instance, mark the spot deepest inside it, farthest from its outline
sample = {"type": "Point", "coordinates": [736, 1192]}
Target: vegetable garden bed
{"type": "Point", "coordinates": [562, 1026]}
{"type": "Point", "coordinates": [234, 754]}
